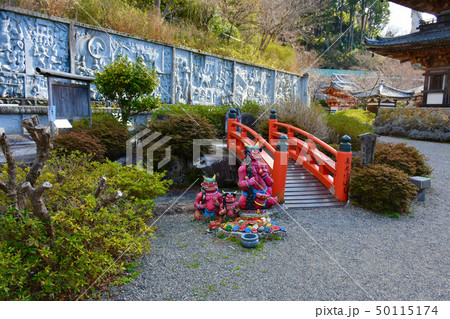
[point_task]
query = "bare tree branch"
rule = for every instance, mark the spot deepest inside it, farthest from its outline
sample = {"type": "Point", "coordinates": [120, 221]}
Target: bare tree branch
{"type": "Point", "coordinates": [42, 139]}
{"type": "Point", "coordinates": [39, 208]}
{"type": "Point", "coordinates": [10, 186]}
{"type": "Point", "coordinates": [109, 200]}
{"type": "Point", "coordinates": [101, 187]}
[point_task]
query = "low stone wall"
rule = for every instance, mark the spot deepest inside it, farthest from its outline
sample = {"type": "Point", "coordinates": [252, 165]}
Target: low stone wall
{"type": "Point", "coordinates": [414, 123]}
{"type": "Point", "coordinates": [11, 116]}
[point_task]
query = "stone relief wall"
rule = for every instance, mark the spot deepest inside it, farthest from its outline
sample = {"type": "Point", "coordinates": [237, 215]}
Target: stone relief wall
{"type": "Point", "coordinates": [26, 43]}
{"type": "Point", "coordinates": [30, 41]}
{"type": "Point", "coordinates": [253, 83]}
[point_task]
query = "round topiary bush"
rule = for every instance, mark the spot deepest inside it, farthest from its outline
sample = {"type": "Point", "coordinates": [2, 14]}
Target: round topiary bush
{"type": "Point", "coordinates": [382, 189]}
{"type": "Point", "coordinates": [70, 141]}
{"type": "Point", "coordinates": [404, 157]}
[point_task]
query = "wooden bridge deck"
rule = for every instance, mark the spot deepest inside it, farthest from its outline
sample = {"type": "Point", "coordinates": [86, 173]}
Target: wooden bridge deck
{"type": "Point", "coordinates": [303, 190]}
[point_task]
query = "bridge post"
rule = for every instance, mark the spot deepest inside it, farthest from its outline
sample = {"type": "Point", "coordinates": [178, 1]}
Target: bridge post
{"type": "Point", "coordinates": [343, 167]}
{"type": "Point", "coordinates": [272, 127]}
{"type": "Point", "coordinates": [280, 163]}
{"type": "Point", "coordinates": [232, 118]}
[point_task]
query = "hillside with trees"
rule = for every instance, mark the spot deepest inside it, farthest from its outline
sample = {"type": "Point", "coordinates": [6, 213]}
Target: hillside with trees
{"type": "Point", "coordinates": [293, 35]}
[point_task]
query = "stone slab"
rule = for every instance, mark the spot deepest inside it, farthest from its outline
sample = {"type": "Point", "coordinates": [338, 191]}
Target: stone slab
{"type": "Point", "coordinates": [420, 181]}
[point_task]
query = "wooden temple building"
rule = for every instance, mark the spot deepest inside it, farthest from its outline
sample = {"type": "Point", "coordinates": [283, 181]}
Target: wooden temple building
{"type": "Point", "coordinates": [344, 94]}
{"type": "Point", "coordinates": [340, 93]}
{"type": "Point", "coordinates": [429, 46]}
{"type": "Point", "coordinates": [383, 95]}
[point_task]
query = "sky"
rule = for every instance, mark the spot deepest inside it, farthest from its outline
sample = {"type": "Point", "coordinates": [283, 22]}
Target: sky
{"type": "Point", "coordinates": [400, 19]}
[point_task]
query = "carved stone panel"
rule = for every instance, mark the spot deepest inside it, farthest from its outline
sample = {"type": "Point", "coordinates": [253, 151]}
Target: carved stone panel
{"type": "Point", "coordinates": [212, 80]}
{"type": "Point", "coordinates": [94, 50]}
{"type": "Point", "coordinates": [286, 86]}
{"type": "Point", "coordinates": [27, 43]}
{"type": "Point", "coordinates": [182, 76]}
{"type": "Point", "coordinates": [253, 83]}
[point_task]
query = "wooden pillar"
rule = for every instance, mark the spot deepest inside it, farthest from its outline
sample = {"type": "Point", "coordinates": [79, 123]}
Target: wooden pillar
{"type": "Point", "coordinates": [280, 163]}
{"type": "Point", "coordinates": [343, 167]}
{"type": "Point", "coordinates": [231, 127]}
{"type": "Point", "coordinates": [272, 127]}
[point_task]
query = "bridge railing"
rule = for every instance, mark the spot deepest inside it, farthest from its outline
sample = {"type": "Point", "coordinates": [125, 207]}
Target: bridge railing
{"type": "Point", "coordinates": [334, 174]}
{"type": "Point", "coordinates": [276, 157]}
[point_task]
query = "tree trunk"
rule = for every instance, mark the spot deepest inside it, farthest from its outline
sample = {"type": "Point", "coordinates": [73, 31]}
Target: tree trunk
{"type": "Point", "coordinates": [341, 18]}
{"type": "Point", "coordinates": [10, 188]}
{"type": "Point", "coordinates": [39, 208]}
{"type": "Point", "coordinates": [352, 12]}
{"type": "Point", "coordinates": [43, 146]}
{"type": "Point", "coordinates": [157, 6]}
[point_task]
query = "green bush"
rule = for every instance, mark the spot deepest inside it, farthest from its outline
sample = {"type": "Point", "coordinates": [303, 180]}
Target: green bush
{"type": "Point", "coordinates": [183, 129]}
{"type": "Point", "coordinates": [70, 141]}
{"type": "Point", "coordinates": [92, 239]}
{"type": "Point", "coordinates": [112, 134]}
{"type": "Point", "coordinates": [254, 108]}
{"type": "Point", "coordinates": [215, 115]}
{"type": "Point", "coordinates": [361, 115]}
{"type": "Point", "coordinates": [129, 84]}
{"type": "Point", "coordinates": [403, 157]}
{"type": "Point", "coordinates": [342, 125]}
{"type": "Point", "coordinates": [381, 188]}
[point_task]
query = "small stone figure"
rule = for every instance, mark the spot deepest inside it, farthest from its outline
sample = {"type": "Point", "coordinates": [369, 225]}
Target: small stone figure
{"type": "Point", "coordinates": [208, 201]}
{"type": "Point", "coordinates": [255, 181]}
{"type": "Point", "coordinates": [229, 208]}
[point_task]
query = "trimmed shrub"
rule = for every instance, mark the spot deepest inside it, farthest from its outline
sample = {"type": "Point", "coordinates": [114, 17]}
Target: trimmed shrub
{"type": "Point", "coordinates": [254, 108]}
{"type": "Point", "coordinates": [342, 125]}
{"type": "Point", "coordinates": [403, 157]}
{"type": "Point", "coordinates": [129, 84]}
{"type": "Point", "coordinates": [91, 233]}
{"type": "Point", "coordinates": [381, 188]}
{"type": "Point", "coordinates": [360, 115]}
{"type": "Point", "coordinates": [70, 141]}
{"type": "Point", "coordinates": [112, 134]}
{"type": "Point", "coordinates": [215, 115]}
{"type": "Point", "coordinates": [183, 129]}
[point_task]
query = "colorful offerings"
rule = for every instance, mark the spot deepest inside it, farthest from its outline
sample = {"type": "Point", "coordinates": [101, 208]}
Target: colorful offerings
{"type": "Point", "coordinates": [249, 225]}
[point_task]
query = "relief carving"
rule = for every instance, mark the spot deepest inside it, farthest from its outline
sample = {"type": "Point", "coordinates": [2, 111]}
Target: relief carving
{"type": "Point", "coordinates": [182, 79]}
{"type": "Point", "coordinates": [27, 42]}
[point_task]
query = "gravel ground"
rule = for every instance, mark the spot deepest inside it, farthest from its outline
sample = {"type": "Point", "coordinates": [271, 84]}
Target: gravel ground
{"type": "Point", "coordinates": [329, 254]}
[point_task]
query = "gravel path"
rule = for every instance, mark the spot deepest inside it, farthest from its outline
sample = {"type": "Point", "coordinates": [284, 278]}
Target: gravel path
{"type": "Point", "coordinates": [330, 254]}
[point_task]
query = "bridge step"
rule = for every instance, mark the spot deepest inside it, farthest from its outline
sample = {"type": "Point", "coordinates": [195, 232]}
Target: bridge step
{"type": "Point", "coordinates": [314, 205]}
{"type": "Point", "coordinates": [303, 190]}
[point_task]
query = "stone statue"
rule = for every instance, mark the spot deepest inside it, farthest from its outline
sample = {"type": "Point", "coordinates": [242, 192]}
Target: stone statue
{"type": "Point", "coordinates": [229, 207]}
{"type": "Point", "coordinates": [208, 201]}
{"type": "Point", "coordinates": [255, 181]}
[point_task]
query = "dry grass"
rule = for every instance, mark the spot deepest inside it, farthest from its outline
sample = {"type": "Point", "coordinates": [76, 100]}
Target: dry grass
{"type": "Point", "coordinates": [310, 119]}
{"type": "Point", "coordinates": [121, 16]}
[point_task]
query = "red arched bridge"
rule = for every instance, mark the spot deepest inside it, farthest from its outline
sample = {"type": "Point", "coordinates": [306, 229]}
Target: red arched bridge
{"type": "Point", "coordinates": [303, 175]}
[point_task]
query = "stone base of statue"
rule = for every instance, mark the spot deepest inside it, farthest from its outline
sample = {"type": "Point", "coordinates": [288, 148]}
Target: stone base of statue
{"type": "Point", "coordinates": [257, 213]}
